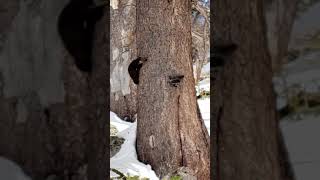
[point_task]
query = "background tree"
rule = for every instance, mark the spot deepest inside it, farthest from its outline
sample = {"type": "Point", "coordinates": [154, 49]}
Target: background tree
{"type": "Point", "coordinates": [200, 36]}
{"type": "Point", "coordinates": [123, 93]}
{"type": "Point", "coordinates": [280, 16]}
{"type": "Point", "coordinates": [244, 102]}
{"type": "Point", "coordinates": [169, 133]}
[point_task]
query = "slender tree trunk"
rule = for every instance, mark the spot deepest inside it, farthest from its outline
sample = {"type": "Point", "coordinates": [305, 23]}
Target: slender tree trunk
{"type": "Point", "coordinates": [244, 113]}
{"type": "Point", "coordinates": [169, 134]}
{"type": "Point", "coordinates": [280, 16]}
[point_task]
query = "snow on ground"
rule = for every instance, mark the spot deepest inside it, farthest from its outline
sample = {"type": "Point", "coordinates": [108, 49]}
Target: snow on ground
{"type": "Point", "coordinates": [204, 105]}
{"type": "Point", "coordinates": [301, 139]}
{"type": "Point", "coordinates": [11, 171]}
{"type": "Point", "coordinates": [126, 160]}
{"type": "Point", "coordinates": [303, 73]}
{"type": "Point", "coordinates": [206, 69]}
{"type": "Point", "coordinates": [204, 85]}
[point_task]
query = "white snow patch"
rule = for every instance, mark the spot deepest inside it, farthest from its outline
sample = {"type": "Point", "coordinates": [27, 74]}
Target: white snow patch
{"type": "Point", "coordinates": [301, 139]}
{"type": "Point", "coordinates": [303, 73]}
{"type": "Point", "coordinates": [206, 69]}
{"type": "Point", "coordinates": [126, 160]}
{"type": "Point", "coordinates": [11, 171]}
{"type": "Point", "coordinates": [204, 105]}
{"type": "Point", "coordinates": [114, 4]}
{"type": "Point", "coordinates": [203, 85]}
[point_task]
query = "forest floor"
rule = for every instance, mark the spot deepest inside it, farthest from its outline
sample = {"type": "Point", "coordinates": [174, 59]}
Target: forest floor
{"type": "Point", "coordinates": [126, 160]}
{"type": "Point", "coordinates": [301, 137]}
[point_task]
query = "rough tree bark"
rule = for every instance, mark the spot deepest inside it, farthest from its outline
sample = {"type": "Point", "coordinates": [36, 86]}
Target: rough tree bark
{"type": "Point", "coordinates": [123, 93]}
{"type": "Point", "coordinates": [48, 108]}
{"type": "Point", "coordinates": [245, 130]}
{"type": "Point", "coordinates": [169, 134]}
{"type": "Point", "coordinates": [98, 153]}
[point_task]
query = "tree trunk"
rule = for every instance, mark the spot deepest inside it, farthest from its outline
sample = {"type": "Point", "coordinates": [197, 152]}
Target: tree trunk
{"type": "Point", "coordinates": [280, 16]}
{"type": "Point", "coordinates": [49, 125]}
{"type": "Point", "coordinates": [245, 127]}
{"type": "Point", "coordinates": [169, 133]}
{"type": "Point", "coordinates": [97, 143]}
{"type": "Point", "coordinates": [123, 44]}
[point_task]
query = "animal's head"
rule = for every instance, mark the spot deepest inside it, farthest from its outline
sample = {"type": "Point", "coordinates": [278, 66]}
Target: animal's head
{"type": "Point", "coordinates": [142, 60]}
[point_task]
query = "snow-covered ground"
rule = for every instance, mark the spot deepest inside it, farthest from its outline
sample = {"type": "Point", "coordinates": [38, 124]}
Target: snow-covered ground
{"type": "Point", "coordinates": [203, 85]}
{"type": "Point", "coordinates": [206, 68]}
{"type": "Point", "coordinates": [301, 139]}
{"type": "Point", "coordinates": [304, 71]}
{"type": "Point", "coordinates": [11, 171]}
{"type": "Point", "coordinates": [126, 160]}
{"type": "Point", "coordinates": [302, 136]}
{"type": "Point", "coordinates": [204, 105]}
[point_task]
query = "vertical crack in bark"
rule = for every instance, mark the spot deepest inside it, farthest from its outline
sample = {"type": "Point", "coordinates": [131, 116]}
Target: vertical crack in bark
{"type": "Point", "coordinates": [179, 131]}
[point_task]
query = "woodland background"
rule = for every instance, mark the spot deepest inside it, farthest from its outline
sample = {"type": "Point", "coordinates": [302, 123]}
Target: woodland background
{"type": "Point", "coordinates": [54, 118]}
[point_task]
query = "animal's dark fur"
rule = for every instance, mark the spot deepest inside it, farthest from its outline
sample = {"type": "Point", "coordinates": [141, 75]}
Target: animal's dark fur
{"type": "Point", "coordinates": [76, 27]}
{"type": "Point", "coordinates": [134, 68]}
{"type": "Point", "coordinates": [221, 52]}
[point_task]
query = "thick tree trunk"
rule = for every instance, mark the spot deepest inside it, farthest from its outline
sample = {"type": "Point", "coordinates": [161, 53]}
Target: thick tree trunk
{"type": "Point", "coordinates": [98, 144]}
{"type": "Point", "coordinates": [169, 134]}
{"type": "Point", "coordinates": [244, 113]}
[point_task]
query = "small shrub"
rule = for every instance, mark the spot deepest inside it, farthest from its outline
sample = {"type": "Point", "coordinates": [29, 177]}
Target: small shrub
{"type": "Point", "coordinates": [115, 144]}
{"type": "Point", "coordinates": [203, 94]}
{"type": "Point", "coordinates": [126, 177]}
{"type": "Point", "coordinates": [176, 177]}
